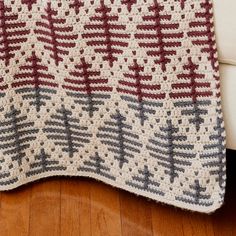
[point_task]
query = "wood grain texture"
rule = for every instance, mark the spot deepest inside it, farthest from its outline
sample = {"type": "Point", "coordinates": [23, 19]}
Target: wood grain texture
{"type": "Point", "coordinates": [81, 206]}
{"type": "Point", "coordinates": [105, 210]}
{"type": "Point", "coordinates": [136, 215]}
{"type": "Point", "coordinates": [15, 212]}
{"type": "Point", "coordinates": [45, 208]}
{"type": "Point", "coordinates": [75, 207]}
{"type": "Point", "coordinates": [166, 221]}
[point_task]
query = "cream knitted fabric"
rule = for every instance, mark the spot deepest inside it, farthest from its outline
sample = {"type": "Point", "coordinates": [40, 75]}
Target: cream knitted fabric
{"type": "Point", "coordinates": [124, 91]}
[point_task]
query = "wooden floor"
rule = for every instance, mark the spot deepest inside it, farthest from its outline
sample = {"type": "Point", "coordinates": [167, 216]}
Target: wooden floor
{"type": "Point", "coordinates": [81, 206]}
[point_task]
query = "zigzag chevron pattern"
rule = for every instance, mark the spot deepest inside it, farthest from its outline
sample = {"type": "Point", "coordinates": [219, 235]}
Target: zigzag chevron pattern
{"type": "Point", "coordinates": [124, 91]}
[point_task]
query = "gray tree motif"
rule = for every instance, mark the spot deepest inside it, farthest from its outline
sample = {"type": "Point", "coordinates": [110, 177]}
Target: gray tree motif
{"type": "Point", "coordinates": [214, 154]}
{"type": "Point", "coordinates": [145, 181]}
{"type": "Point", "coordinates": [16, 134]}
{"type": "Point", "coordinates": [169, 152]}
{"type": "Point", "coordinates": [119, 138]}
{"type": "Point", "coordinates": [5, 176]}
{"type": "Point", "coordinates": [66, 132]}
{"type": "Point", "coordinates": [97, 165]}
{"type": "Point", "coordinates": [195, 195]}
{"type": "Point", "coordinates": [43, 163]}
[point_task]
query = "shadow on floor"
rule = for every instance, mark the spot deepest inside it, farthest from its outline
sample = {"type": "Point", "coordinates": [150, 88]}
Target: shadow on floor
{"type": "Point", "coordinates": [225, 218]}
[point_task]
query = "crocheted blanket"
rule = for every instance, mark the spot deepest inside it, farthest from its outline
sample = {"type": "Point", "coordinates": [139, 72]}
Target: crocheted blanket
{"type": "Point", "coordinates": [124, 91]}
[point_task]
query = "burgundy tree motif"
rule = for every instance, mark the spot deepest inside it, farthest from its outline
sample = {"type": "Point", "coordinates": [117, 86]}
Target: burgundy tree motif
{"type": "Point", "coordinates": [3, 87]}
{"type": "Point", "coordinates": [106, 41]}
{"type": "Point", "coordinates": [192, 83]}
{"type": "Point", "coordinates": [218, 84]}
{"type": "Point", "coordinates": [34, 82]}
{"type": "Point", "coordinates": [182, 3]}
{"type": "Point", "coordinates": [154, 34]}
{"type": "Point", "coordinates": [57, 37]}
{"type": "Point", "coordinates": [87, 87]}
{"type": "Point", "coordinates": [76, 5]}
{"type": "Point", "coordinates": [202, 32]}
{"type": "Point", "coordinates": [141, 92]}
{"type": "Point", "coordinates": [129, 3]}
{"type": "Point", "coordinates": [10, 27]}
{"type": "Point", "coordinates": [29, 3]}
{"type": "Point", "coordinates": [196, 91]}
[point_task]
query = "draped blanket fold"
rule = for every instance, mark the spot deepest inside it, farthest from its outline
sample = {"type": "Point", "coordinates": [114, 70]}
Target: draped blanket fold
{"type": "Point", "coordinates": [123, 91]}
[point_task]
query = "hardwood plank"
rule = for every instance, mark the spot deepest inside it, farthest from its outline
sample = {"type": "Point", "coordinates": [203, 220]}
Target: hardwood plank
{"type": "Point", "coordinates": [135, 215]}
{"type": "Point", "coordinates": [45, 208]}
{"type": "Point", "coordinates": [197, 224]}
{"type": "Point", "coordinates": [15, 211]}
{"type": "Point", "coordinates": [75, 207]}
{"type": "Point", "coordinates": [166, 220]}
{"type": "Point", "coordinates": [105, 210]}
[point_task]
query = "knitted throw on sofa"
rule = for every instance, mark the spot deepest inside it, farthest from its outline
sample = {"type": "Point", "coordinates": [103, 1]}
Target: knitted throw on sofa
{"type": "Point", "coordinates": [124, 91]}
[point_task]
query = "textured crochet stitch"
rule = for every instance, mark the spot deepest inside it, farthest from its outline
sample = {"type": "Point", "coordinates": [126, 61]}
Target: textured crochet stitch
{"type": "Point", "coordinates": [124, 91]}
